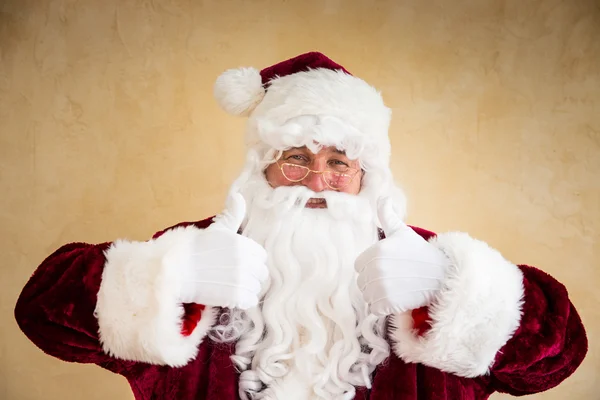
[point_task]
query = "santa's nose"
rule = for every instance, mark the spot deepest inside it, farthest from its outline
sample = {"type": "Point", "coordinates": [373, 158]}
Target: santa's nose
{"type": "Point", "coordinates": [315, 182]}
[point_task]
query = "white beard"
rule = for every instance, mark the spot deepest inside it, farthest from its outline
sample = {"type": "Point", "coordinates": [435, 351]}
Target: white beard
{"type": "Point", "coordinates": [311, 336]}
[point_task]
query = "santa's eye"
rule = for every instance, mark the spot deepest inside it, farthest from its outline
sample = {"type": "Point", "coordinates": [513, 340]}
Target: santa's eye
{"type": "Point", "coordinates": [338, 163]}
{"type": "Point", "coordinates": [297, 158]}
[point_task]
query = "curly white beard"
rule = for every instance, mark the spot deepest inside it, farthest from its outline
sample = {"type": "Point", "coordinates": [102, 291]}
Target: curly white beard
{"type": "Point", "coordinates": [312, 337]}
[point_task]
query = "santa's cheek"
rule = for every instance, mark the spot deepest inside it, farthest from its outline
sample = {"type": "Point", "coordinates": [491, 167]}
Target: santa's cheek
{"type": "Point", "coordinates": [273, 179]}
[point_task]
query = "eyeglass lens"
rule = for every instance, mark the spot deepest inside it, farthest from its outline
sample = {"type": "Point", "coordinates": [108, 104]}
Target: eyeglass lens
{"type": "Point", "coordinates": [333, 179]}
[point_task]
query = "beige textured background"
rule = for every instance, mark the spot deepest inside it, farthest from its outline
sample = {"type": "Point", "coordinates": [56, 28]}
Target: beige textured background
{"type": "Point", "coordinates": [108, 129]}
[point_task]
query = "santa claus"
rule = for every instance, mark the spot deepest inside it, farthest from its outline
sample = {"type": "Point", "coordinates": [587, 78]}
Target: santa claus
{"type": "Point", "coordinates": [308, 285]}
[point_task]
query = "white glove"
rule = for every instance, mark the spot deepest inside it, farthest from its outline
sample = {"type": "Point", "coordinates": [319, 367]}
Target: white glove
{"type": "Point", "coordinates": [401, 272]}
{"type": "Point", "coordinates": [227, 269]}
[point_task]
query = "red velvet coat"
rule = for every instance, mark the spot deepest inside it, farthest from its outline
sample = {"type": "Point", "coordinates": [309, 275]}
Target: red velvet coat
{"type": "Point", "coordinates": [59, 312]}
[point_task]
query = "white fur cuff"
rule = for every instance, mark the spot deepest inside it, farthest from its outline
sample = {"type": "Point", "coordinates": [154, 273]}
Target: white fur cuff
{"type": "Point", "coordinates": [138, 308]}
{"type": "Point", "coordinates": [475, 314]}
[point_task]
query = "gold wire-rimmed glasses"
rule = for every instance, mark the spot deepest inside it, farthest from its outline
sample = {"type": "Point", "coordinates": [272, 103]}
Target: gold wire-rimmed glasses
{"type": "Point", "coordinates": [335, 180]}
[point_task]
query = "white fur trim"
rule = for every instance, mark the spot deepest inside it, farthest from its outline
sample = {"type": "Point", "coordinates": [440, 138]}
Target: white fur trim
{"type": "Point", "coordinates": [329, 96]}
{"type": "Point", "coordinates": [138, 311]}
{"type": "Point", "coordinates": [239, 90]}
{"type": "Point", "coordinates": [476, 313]}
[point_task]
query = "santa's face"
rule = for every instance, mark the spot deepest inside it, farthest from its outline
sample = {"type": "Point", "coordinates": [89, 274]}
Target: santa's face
{"type": "Point", "coordinates": [328, 169]}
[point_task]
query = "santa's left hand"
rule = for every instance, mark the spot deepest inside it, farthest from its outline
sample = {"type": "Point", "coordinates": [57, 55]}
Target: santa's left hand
{"type": "Point", "coordinates": [401, 272]}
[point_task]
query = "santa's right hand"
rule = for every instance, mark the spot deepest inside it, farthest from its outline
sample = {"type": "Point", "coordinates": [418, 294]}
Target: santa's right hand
{"type": "Point", "coordinates": [225, 269]}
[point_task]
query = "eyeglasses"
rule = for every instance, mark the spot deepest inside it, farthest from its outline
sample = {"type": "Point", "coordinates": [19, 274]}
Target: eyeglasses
{"type": "Point", "coordinates": [336, 180]}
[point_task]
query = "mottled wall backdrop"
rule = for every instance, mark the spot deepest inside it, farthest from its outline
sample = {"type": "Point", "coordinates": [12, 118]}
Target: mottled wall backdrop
{"type": "Point", "coordinates": [108, 129]}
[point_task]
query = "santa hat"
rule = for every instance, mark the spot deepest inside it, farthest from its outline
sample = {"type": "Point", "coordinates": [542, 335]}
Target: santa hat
{"type": "Point", "coordinates": [308, 100]}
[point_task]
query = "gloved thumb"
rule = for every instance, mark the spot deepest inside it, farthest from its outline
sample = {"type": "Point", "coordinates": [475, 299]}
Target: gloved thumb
{"type": "Point", "coordinates": [390, 218]}
{"type": "Point", "coordinates": [232, 217]}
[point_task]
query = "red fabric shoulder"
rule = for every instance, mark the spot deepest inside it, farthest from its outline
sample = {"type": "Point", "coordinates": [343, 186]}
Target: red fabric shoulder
{"type": "Point", "coordinates": [202, 224]}
{"type": "Point", "coordinates": [424, 233]}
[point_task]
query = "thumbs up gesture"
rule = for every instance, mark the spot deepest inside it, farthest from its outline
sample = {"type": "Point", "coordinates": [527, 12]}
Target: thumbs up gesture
{"type": "Point", "coordinates": [228, 268]}
{"type": "Point", "coordinates": [401, 272]}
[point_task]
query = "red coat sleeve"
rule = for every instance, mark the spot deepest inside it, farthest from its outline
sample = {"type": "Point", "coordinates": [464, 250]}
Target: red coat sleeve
{"type": "Point", "coordinates": [57, 308]}
{"type": "Point", "coordinates": [549, 344]}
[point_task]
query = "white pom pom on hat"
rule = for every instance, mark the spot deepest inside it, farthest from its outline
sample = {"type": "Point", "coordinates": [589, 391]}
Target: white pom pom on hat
{"type": "Point", "coordinates": [238, 91]}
